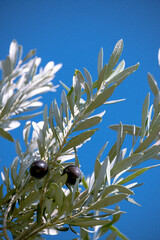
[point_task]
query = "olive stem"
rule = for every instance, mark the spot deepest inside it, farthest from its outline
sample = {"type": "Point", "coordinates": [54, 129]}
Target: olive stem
{"type": "Point", "coordinates": [9, 208]}
{"type": "Point", "coordinates": [61, 148]}
{"type": "Point", "coordinates": [5, 217]}
{"type": "Point", "coordinates": [31, 231]}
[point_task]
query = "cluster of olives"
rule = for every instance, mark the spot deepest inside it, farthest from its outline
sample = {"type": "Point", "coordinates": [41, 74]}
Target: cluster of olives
{"type": "Point", "coordinates": [39, 169]}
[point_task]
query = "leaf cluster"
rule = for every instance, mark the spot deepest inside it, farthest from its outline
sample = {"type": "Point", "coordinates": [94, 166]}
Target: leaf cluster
{"type": "Point", "coordinates": [33, 207]}
{"type": "Point", "coordinates": [20, 86]}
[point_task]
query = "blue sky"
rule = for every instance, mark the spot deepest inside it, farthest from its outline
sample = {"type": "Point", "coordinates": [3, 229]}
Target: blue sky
{"type": "Point", "coordinates": [72, 33]}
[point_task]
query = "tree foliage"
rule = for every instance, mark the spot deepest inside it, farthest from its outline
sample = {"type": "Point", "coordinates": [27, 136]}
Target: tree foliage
{"type": "Point", "coordinates": [30, 208]}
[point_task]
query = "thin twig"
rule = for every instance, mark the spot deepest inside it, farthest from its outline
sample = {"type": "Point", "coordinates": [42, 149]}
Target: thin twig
{"type": "Point", "coordinates": [9, 208]}
{"type": "Point", "coordinates": [6, 214]}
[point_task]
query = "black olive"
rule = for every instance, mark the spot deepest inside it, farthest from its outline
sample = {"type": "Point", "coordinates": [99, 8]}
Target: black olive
{"type": "Point", "coordinates": [73, 173]}
{"type": "Point", "coordinates": [39, 169]}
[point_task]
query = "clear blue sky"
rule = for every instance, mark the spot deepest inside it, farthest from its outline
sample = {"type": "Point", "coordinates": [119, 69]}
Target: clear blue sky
{"type": "Point", "coordinates": [72, 32]}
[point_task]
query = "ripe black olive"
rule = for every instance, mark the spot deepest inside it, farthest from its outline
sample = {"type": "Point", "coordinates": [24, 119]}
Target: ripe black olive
{"type": "Point", "coordinates": [39, 169]}
{"type": "Point", "coordinates": [73, 173]}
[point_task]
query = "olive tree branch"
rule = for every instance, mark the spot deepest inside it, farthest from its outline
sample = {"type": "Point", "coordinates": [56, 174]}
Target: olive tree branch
{"type": "Point", "coordinates": [14, 198]}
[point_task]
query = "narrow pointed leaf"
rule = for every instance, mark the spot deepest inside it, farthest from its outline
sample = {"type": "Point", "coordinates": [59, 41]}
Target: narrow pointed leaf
{"type": "Point", "coordinates": [65, 104]}
{"type": "Point", "coordinates": [122, 75]}
{"type": "Point", "coordinates": [85, 222]}
{"type": "Point", "coordinates": [148, 140]}
{"type": "Point", "coordinates": [118, 69]}
{"type": "Point", "coordinates": [104, 202]}
{"type": "Point", "coordinates": [13, 52]}
{"type": "Point", "coordinates": [77, 88]}
{"type": "Point", "coordinates": [75, 141]}
{"type": "Point", "coordinates": [131, 200]}
{"type": "Point", "coordinates": [125, 163]}
{"type": "Point", "coordinates": [27, 117]}
{"type": "Point", "coordinates": [118, 188]}
{"type": "Point", "coordinates": [6, 135]}
{"type": "Point", "coordinates": [6, 67]}
{"type": "Point", "coordinates": [101, 76]}
{"type": "Point", "coordinates": [135, 174]}
{"type": "Point", "coordinates": [119, 138]}
{"type": "Point", "coordinates": [101, 177]}
{"type": "Point", "coordinates": [150, 153]}
{"type": "Point", "coordinates": [18, 149]}
{"type": "Point", "coordinates": [100, 61]}
{"type": "Point", "coordinates": [101, 98]}
{"type": "Point", "coordinates": [153, 84]}
{"type": "Point", "coordinates": [57, 115]}
{"type": "Point", "coordinates": [89, 80]}
{"type": "Point", "coordinates": [115, 101]}
{"type": "Point", "coordinates": [115, 56]}
{"type": "Point", "coordinates": [144, 115]}
{"type": "Point", "coordinates": [51, 118]}
{"type": "Point", "coordinates": [65, 86]}
{"type": "Point", "coordinates": [30, 199]}
{"type": "Point", "coordinates": [30, 54]}
{"type": "Point", "coordinates": [121, 235]}
{"type": "Point", "coordinates": [9, 104]}
{"type": "Point", "coordinates": [26, 132]}
{"type": "Point", "coordinates": [14, 170]}
{"type": "Point", "coordinates": [70, 98]}
{"type": "Point", "coordinates": [127, 128]}
{"type": "Point", "coordinates": [88, 123]}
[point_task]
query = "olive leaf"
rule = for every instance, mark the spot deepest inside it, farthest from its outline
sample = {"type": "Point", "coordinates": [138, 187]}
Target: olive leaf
{"type": "Point", "coordinates": [77, 140]}
{"type": "Point", "coordinates": [32, 207]}
{"type": "Point", "coordinates": [20, 84]}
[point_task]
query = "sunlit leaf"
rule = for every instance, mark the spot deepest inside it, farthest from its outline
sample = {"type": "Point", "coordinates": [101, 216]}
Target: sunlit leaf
{"type": "Point", "coordinates": [77, 88]}
{"type": "Point", "coordinates": [71, 98]}
{"type": "Point", "coordinates": [131, 200]}
{"type": "Point", "coordinates": [115, 56]}
{"type": "Point", "coordinates": [115, 101]}
{"type": "Point", "coordinates": [49, 231]}
{"type": "Point", "coordinates": [135, 174]}
{"type": "Point", "coordinates": [89, 80]}
{"type": "Point", "coordinates": [104, 202]}
{"type": "Point", "coordinates": [148, 140]}
{"type": "Point", "coordinates": [88, 123]}
{"type": "Point", "coordinates": [9, 104]}
{"type": "Point", "coordinates": [100, 61]}
{"type": "Point", "coordinates": [57, 115]}
{"type": "Point", "coordinates": [119, 78]}
{"type": "Point", "coordinates": [30, 54]}
{"type": "Point", "coordinates": [75, 141]}
{"type": "Point", "coordinates": [153, 84]}
{"type": "Point", "coordinates": [116, 188]}
{"type": "Point", "coordinates": [144, 115]}
{"type": "Point", "coordinates": [65, 86]}
{"type": "Point", "coordinates": [65, 104]}
{"type": "Point", "coordinates": [101, 176]}
{"type": "Point", "coordinates": [13, 52]}
{"type": "Point", "coordinates": [101, 98]}
{"type": "Point", "coordinates": [125, 163]}
{"type": "Point", "coordinates": [6, 67]}
{"type": "Point", "coordinates": [101, 76]}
